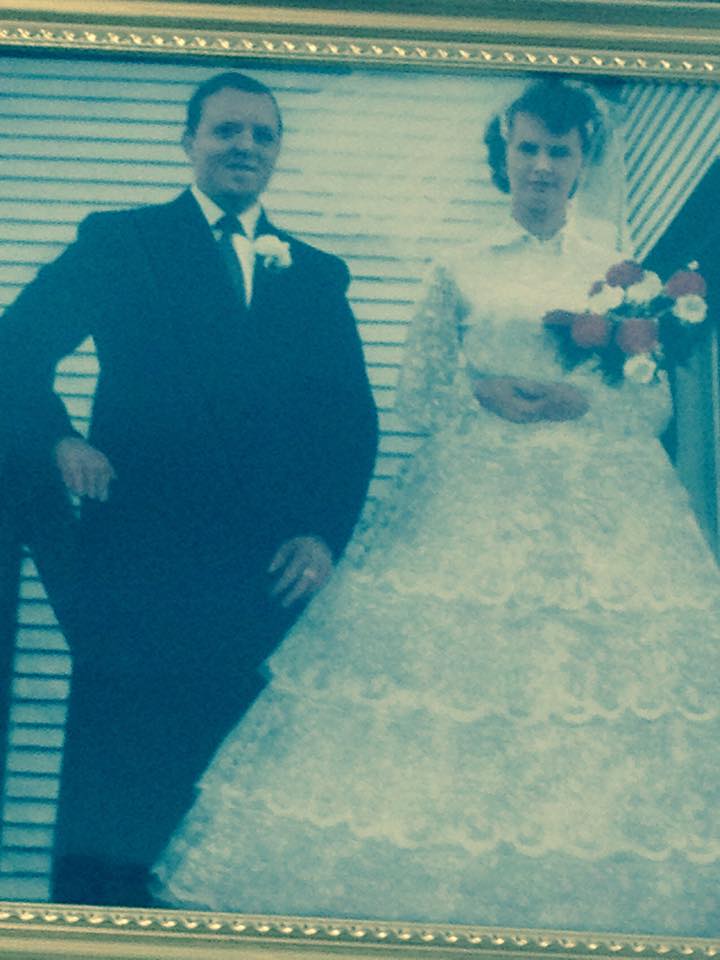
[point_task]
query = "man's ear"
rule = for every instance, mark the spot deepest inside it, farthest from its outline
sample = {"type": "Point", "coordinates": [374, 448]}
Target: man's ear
{"type": "Point", "coordinates": [187, 141]}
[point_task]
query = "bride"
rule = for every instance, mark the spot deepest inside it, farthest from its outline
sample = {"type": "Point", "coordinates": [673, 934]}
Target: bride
{"type": "Point", "coordinates": [504, 708]}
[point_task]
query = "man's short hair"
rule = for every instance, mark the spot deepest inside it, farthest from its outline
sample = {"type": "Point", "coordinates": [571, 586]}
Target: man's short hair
{"type": "Point", "coordinates": [232, 80]}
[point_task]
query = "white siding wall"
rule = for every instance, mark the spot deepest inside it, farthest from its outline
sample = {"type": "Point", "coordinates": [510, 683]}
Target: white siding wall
{"type": "Point", "coordinates": [672, 137]}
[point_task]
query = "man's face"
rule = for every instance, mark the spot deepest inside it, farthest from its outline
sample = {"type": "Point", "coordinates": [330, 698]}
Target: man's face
{"type": "Point", "coordinates": [234, 149]}
{"type": "Point", "coordinates": [542, 167]}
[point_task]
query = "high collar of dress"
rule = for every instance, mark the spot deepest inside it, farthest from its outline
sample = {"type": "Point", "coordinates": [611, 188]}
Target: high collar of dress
{"type": "Point", "coordinates": [510, 233]}
{"type": "Point", "coordinates": [212, 212]}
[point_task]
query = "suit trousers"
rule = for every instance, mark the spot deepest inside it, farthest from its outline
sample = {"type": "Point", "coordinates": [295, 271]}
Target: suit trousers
{"type": "Point", "coordinates": [165, 665]}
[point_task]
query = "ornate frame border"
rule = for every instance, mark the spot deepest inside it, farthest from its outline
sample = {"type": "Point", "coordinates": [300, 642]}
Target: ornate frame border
{"type": "Point", "coordinates": [672, 39]}
{"type": "Point", "coordinates": [652, 38]}
{"type": "Point", "coordinates": [49, 931]}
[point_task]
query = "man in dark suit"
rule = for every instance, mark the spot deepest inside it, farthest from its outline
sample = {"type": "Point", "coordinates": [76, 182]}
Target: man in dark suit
{"type": "Point", "coordinates": [232, 440]}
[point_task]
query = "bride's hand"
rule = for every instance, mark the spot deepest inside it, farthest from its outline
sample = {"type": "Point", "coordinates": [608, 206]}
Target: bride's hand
{"type": "Point", "coordinates": [529, 401]}
{"type": "Point", "coordinates": [512, 398]}
{"type": "Point", "coordinates": [565, 402]}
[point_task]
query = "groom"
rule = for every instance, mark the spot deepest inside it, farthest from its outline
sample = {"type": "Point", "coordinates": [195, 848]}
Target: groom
{"type": "Point", "coordinates": [232, 441]}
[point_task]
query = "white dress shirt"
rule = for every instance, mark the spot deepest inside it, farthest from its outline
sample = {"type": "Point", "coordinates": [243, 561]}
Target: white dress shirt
{"type": "Point", "coordinates": [243, 245]}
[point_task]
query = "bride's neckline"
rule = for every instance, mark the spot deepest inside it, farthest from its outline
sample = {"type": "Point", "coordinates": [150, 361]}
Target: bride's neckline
{"type": "Point", "coordinates": [511, 231]}
{"type": "Point", "coordinates": [539, 238]}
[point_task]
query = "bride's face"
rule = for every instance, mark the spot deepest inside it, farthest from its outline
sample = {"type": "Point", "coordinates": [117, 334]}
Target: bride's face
{"type": "Point", "coordinates": [542, 167]}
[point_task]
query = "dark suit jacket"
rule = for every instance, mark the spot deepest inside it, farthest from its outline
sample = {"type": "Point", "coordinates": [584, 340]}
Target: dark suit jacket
{"type": "Point", "coordinates": [230, 429]}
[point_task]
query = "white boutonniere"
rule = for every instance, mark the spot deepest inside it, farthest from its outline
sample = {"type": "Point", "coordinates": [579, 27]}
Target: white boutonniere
{"type": "Point", "coordinates": [274, 251]}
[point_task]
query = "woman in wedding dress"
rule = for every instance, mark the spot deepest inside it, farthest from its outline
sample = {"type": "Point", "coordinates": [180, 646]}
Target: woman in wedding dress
{"type": "Point", "coordinates": [503, 709]}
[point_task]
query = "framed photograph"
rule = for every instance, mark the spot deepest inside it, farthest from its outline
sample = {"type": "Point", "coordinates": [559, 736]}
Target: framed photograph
{"type": "Point", "coordinates": [387, 163]}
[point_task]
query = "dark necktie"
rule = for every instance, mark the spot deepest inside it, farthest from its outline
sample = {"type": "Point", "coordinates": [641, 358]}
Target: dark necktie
{"type": "Point", "coordinates": [228, 225]}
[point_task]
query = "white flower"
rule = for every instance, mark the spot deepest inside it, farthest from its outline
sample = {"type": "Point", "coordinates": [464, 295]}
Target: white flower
{"type": "Point", "coordinates": [274, 251]}
{"type": "Point", "coordinates": [690, 308]}
{"type": "Point", "coordinates": [607, 299]}
{"type": "Point", "coordinates": [640, 368]}
{"type": "Point", "coordinates": [649, 287]}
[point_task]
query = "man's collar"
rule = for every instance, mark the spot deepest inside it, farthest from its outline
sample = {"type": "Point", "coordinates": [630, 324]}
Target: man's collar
{"type": "Point", "coordinates": [212, 212]}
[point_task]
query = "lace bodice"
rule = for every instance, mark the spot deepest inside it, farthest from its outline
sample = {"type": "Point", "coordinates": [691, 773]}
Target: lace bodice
{"type": "Point", "coordinates": [481, 310]}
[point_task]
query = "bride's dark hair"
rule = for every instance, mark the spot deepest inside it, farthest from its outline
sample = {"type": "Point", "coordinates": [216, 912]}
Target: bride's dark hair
{"type": "Point", "coordinates": [561, 107]}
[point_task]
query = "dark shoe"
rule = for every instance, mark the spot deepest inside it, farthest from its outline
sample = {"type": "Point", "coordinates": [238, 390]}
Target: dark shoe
{"type": "Point", "coordinates": [96, 882]}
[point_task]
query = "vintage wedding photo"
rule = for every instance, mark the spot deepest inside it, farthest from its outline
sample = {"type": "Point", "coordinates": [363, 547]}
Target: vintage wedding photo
{"type": "Point", "coordinates": [358, 473]}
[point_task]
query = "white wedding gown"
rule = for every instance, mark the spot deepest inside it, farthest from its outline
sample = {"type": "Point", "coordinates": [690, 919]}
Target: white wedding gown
{"type": "Point", "coordinates": [504, 709]}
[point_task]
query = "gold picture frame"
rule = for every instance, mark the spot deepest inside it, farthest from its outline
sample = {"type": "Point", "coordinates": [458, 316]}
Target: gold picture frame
{"type": "Point", "coordinates": [678, 40]}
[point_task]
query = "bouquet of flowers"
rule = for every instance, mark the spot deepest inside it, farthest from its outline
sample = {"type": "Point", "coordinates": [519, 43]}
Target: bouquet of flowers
{"type": "Point", "coordinates": [633, 325]}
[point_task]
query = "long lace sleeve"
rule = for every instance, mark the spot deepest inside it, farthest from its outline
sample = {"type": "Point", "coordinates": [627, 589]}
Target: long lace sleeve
{"type": "Point", "coordinates": [433, 388]}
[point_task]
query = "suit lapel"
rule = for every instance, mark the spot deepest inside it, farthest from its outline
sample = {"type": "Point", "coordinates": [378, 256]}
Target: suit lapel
{"type": "Point", "coordinates": [272, 288]}
{"type": "Point", "coordinates": [211, 335]}
{"type": "Point", "coordinates": [187, 263]}
{"type": "Point", "coordinates": [194, 299]}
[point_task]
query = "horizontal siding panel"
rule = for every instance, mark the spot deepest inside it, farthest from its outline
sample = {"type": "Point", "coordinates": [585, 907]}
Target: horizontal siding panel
{"type": "Point", "coordinates": [382, 331]}
{"type": "Point", "coordinates": [79, 129]}
{"type": "Point", "coordinates": [24, 888]}
{"type": "Point", "coordinates": [40, 170]}
{"type": "Point", "coordinates": [32, 736]}
{"type": "Point", "coordinates": [42, 638]}
{"type": "Point", "coordinates": [79, 407]}
{"type": "Point", "coordinates": [392, 422]}
{"type": "Point", "coordinates": [82, 363]}
{"type": "Point", "coordinates": [16, 274]}
{"type": "Point", "coordinates": [28, 568]}
{"type": "Point", "coordinates": [38, 712]}
{"type": "Point", "coordinates": [32, 589]}
{"type": "Point", "coordinates": [383, 377]}
{"type": "Point", "coordinates": [40, 688]}
{"type": "Point", "coordinates": [399, 445]}
{"type": "Point", "coordinates": [383, 353]}
{"type": "Point", "coordinates": [41, 232]}
{"type": "Point", "coordinates": [24, 861]}
{"type": "Point", "coordinates": [98, 152]}
{"type": "Point", "coordinates": [389, 465]}
{"type": "Point", "coordinates": [57, 664]}
{"type": "Point", "coordinates": [396, 290]}
{"type": "Point", "coordinates": [75, 386]}
{"type": "Point", "coordinates": [34, 761]}
{"type": "Point", "coordinates": [25, 254]}
{"type": "Point", "coordinates": [50, 110]}
{"type": "Point", "coordinates": [27, 836]}
{"type": "Point", "coordinates": [383, 311]}
{"type": "Point", "coordinates": [111, 195]}
{"type": "Point", "coordinates": [52, 212]}
{"type": "Point", "coordinates": [32, 788]}
{"type": "Point", "coordinates": [8, 293]}
{"type": "Point", "coordinates": [35, 614]}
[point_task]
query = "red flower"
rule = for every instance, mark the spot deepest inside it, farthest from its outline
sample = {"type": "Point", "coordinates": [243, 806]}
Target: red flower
{"type": "Point", "coordinates": [637, 335]}
{"type": "Point", "coordinates": [590, 330]}
{"type": "Point", "coordinates": [559, 318]}
{"type": "Point", "coordinates": [684, 282]}
{"type": "Point", "coordinates": [624, 274]}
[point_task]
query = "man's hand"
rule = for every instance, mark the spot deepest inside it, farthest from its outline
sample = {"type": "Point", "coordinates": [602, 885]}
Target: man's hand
{"type": "Point", "coordinates": [302, 566]}
{"type": "Point", "coordinates": [85, 471]}
{"type": "Point", "coordinates": [529, 401]}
